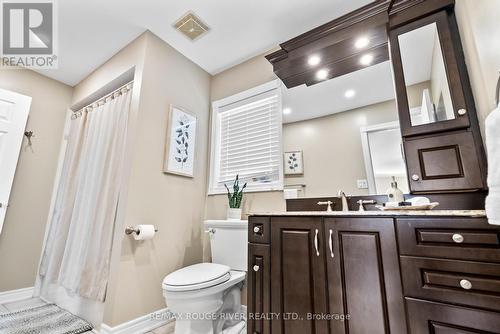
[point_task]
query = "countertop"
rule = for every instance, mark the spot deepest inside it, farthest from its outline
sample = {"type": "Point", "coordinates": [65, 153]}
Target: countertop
{"type": "Point", "coordinates": [435, 213]}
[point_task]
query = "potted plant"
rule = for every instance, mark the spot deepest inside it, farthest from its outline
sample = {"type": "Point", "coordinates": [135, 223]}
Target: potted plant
{"type": "Point", "coordinates": [234, 210]}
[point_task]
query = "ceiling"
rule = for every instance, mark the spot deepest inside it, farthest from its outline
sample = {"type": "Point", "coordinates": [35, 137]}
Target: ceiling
{"type": "Point", "coordinates": [92, 31]}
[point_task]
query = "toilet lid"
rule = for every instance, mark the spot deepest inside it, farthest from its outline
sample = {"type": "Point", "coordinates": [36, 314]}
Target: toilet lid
{"type": "Point", "coordinates": [197, 276]}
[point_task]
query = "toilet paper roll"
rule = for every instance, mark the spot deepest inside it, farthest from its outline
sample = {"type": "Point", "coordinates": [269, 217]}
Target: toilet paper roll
{"type": "Point", "coordinates": [145, 232]}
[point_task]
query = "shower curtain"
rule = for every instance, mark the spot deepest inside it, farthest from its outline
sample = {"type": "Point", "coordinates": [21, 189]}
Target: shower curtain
{"type": "Point", "coordinates": [75, 263]}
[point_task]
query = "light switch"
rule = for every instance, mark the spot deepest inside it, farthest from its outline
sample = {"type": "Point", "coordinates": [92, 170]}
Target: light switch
{"type": "Point", "coordinates": [362, 184]}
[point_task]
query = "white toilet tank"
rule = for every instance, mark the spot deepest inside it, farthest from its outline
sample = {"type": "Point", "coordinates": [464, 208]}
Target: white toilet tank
{"type": "Point", "coordinates": [229, 242]}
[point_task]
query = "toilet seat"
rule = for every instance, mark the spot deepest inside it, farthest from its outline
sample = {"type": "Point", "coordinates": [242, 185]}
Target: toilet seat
{"type": "Point", "coordinates": [196, 277]}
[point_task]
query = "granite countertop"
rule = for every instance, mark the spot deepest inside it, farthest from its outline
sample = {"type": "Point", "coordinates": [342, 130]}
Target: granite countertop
{"type": "Point", "coordinates": [437, 213]}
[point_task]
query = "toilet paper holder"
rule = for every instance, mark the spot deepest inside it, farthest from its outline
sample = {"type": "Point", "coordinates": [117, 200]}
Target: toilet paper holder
{"type": "Point", "coordinates": [130, 229]}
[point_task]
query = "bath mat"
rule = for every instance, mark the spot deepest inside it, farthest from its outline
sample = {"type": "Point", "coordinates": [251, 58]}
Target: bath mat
{"type": "Point", "coordinates": [46, 319]}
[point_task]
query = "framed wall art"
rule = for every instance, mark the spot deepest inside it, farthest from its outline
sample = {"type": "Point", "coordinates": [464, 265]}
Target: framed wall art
{"type": "Point", "coordinates": [180, 142]}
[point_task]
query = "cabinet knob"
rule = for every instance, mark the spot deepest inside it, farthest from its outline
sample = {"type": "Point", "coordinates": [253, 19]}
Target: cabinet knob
{"type": "Point", "coordinates": [458, 238]}
{"type": "Point", "coordinates": [256, 268]}
{"type": "Point", "coordinates": [415, 177]}
{"type": "Point", "coordinates": [256, 229]}
{"type": "Point", "coordinates": [462, 112]}
{"type": "Point", "coordinates": [466, 284]}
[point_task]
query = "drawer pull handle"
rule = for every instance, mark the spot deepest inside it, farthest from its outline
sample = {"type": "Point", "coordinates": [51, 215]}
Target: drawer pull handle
{"type": "Point", "coordinates": [415, 177]}
{"type": "Point", "coordinates": [462, 112]}
{"type": "Point", "coordinates": [466, 284]}
{"type": "Point", "coordinates": [256, 229]}
{"type": "Point", "coordinates": [458, 238]}
{"type": "Point", "coordinates": [256, 268]}
{"type": "Point", "coordinates": [316, 242]}
{"type": "Point", "coordinates": [330, 243]}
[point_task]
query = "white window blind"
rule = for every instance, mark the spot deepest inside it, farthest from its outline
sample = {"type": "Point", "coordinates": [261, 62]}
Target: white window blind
{"type": "Point", "coordinates": [247, 135]}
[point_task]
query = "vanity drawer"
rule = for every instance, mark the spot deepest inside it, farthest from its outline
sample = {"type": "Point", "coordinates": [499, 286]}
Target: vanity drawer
{"type": "Point", "coordinates": [452, 238]}
{"type": "Point", "coordinates": [426, 317]}
{"type": "Point", "coordinates": [259, 230]}
{"type": "Point", "coordinates": [468, 283]}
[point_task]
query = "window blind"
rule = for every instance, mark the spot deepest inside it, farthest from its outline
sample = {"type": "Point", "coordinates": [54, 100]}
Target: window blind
{"type": "Point", "coordinates": [249, 142]}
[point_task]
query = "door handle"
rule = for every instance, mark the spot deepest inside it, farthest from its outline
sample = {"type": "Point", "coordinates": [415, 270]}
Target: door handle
{"type": "Point", "coordinates": [330, 243]}
{"type": "Point", "coordinates": [316, 242]}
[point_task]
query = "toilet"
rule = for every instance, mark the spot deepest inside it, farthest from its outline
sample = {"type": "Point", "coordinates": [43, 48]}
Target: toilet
{"type": "Point", "coordinates": [195, 294]}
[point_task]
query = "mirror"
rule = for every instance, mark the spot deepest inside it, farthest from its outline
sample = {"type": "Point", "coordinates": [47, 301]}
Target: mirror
{"type": "Point", "coordinates": [343, 134]}
{"type": "Point", "coordinates": [425, 76]}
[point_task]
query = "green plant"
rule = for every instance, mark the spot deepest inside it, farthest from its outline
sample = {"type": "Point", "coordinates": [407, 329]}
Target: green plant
{"type": "Point", "coordinates": [237, 195]}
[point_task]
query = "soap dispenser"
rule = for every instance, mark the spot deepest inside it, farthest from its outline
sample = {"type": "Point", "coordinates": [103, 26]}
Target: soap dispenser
{"type": "Point", "coordinates": [395, 194]}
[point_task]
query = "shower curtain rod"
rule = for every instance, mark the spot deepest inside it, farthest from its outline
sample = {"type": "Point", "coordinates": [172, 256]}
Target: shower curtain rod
{"type": "Point", "coordinates": [79, 112]}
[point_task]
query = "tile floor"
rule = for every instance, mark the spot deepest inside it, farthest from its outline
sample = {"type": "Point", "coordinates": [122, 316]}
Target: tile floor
{"type": "Point", "coordinates": [34, 302]}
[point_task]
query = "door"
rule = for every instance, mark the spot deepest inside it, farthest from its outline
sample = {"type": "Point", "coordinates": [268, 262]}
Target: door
{"type": "Point", "coordinates": [364, 283]}
{"type": "Point", "coordinates": [298, 287]}
{"type": "Point", "coordinates": [14, 109]}
{"type": "Point", "coordinates": [259, 280]}
{"type": "Point", "coordinates": [446, 162]}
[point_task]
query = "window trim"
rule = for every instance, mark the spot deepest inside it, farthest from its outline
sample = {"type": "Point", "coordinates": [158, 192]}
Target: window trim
{"type": "Point", "coordinates": [214, 140]}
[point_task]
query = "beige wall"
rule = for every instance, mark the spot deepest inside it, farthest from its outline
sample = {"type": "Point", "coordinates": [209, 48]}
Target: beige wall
{"type": "Point", "coordinates": [22, 236]}
{"type": "Point", "coordinates": [173, 203]}
{"type": "Point", "coordinates": [332, 150]}
{"type": "Point", "coordinates": [480, 32]}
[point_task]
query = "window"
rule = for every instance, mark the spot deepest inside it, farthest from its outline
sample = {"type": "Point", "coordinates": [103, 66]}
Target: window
{"type": "Point", "coordinates": [246, 140]}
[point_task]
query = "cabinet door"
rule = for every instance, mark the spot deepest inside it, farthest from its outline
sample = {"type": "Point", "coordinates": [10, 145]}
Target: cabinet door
{"type": "Point", "coordinates": [443, 163]}
{"type": "Point", "coordinates": [426, 317]}
{"type": "Point", "coordinates": [429, 79]}
{"type": "Point", "coordinates": [259, 280]}
{"type": "Point", "coordinates": [298, 275]}
{"type": "Point", "coordinates": [363, 276]}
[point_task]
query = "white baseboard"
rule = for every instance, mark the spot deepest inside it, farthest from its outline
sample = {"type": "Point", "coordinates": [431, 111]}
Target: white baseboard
{"type": "Point", "coordinates": [142, 324]}
{"type": "Point", "coordinates": [15, 295]}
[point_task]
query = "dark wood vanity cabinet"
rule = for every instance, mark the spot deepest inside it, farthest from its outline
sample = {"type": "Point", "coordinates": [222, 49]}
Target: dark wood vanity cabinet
{"type": "Point", "coordinates": [328, 275]}
{"type": "Point", "coordinates": [298, 275]}
{"type": "Point", "coordinates": [418, 275]}
{"type": "Point", "coordinates": [363, 276]}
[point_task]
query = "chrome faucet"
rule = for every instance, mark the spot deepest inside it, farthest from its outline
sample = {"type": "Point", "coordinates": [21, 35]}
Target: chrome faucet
{"type": "Point", "coordinates": [361, 203]}
{"type": "Point", "coordinates": [345, 206]}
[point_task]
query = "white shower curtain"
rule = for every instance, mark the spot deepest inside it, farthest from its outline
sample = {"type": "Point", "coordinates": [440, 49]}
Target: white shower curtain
{"type": "Point", "coordinates": [77, 252]}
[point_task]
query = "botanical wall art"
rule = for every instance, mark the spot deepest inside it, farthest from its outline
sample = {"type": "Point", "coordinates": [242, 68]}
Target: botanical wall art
{"type": "Point", "coordinates": [180, 145]}
{"type": "Point", "coordinates": [294, 164]}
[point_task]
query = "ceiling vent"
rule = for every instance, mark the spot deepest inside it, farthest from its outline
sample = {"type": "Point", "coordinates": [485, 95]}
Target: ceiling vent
{"type": "Point", "coordinates": [191, 26]}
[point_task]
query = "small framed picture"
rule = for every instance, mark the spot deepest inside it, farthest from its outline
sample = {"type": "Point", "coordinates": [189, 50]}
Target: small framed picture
{"type": "Point", "coordinates": [294, 164]}
{"type": "Point", "coordinates": [180, 142]}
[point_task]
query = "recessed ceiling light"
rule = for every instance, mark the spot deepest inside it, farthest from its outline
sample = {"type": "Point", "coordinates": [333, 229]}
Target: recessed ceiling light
{"type": "Point", "coordinates": [366, 59]}
{"type": "Point", "coordinates": [287, 111]}
{"type": "Point", "coordinates": [322, 74]}
{"type": "Point", "coordinates": [362, 42]}
{"type": "Point", "coordinates": [314, 60]}
{"type": "Point", "coordinates": [350, 93]}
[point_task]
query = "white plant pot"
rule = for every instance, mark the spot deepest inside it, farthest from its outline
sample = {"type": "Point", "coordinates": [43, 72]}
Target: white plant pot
{"type": "Point", "coordinates": [233, 214]}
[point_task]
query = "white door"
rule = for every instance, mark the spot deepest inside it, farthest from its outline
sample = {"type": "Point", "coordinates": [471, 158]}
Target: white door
{"type": "Point", "coordinates": [14, 109]}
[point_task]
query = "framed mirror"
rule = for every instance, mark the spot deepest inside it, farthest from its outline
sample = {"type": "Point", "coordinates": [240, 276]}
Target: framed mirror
{"type": "Point", "coordinates": [423, 64]}
{"type": "Point", "coordinates": [343, 134]}
{"type": "Point", "coordinates": [423, 56]}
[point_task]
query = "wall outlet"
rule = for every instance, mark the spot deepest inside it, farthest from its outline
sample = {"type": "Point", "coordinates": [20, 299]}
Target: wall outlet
{"type": "Point", "coordinates": [362, 184]}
